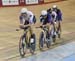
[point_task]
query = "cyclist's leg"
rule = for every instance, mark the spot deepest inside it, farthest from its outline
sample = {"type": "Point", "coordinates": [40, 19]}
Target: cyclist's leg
{"type": "Point", "coordinates": [31, 32]}
{"type": "Point", "coordinates": [27, 36]}
{"type": "Point", "coordinates": [54, 27]}
{"type": "Point", "coordinates": [59, 22]}
{"type": "Point", "coordinates": [30, 35]}
{"type": "Point", "coordinates": [59, 29]}
{"type": "Point", "coordinates": [59, 26]}
{"type": "Point", "coordinates": [49, 28]}
{"type": "Point", "coordinates": [51, 32]}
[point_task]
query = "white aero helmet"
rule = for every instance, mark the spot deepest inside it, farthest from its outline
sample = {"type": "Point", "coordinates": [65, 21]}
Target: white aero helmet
{"type": "Point", "coordinates": [29, 13]}
{"type": "Point", "coordinates": [24, 10]}
{"type": "Point", "coordinates": [43, 12]}
{"type": "Point", "coordinates": [54, 13]}
{"type": "Point", "coordinates": [54, 6]}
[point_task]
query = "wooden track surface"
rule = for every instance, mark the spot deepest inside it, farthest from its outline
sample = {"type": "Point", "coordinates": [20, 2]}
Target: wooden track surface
{"type": "Point", "coordinates": [9, 37]}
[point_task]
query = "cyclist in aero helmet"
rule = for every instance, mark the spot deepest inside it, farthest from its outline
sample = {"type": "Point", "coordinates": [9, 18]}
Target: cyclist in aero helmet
{"type": "Point", "coordinates": [26, 22]}
{"type": "Point", "coordinates": [59, 16]}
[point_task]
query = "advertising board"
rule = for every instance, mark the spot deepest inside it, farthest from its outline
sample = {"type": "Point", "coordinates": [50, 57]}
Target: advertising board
{"type": "Point", "coordinates": [10, 2]}
{"type": "Point", "coordinates": [31, 1]}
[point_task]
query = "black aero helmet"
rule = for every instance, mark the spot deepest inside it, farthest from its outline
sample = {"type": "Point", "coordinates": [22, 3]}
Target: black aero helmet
{"type": "Point", "coordinates": [49, 10]}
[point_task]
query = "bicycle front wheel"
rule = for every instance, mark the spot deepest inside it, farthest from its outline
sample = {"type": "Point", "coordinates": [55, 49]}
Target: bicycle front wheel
{"type": "Point", "coordinates": [41, 41]}
{"type": "Point", "coordinates": [22, 46]}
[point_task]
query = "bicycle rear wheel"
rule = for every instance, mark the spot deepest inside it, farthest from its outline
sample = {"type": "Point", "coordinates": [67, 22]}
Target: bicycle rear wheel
{"type": "Point", "coordinates": [32, 43]}
{"type": "Point", "coordinates": [48, 43]}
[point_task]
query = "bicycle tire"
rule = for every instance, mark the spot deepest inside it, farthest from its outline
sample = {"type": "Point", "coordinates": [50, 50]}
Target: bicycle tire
{"type": "Point", "coordinates": [33, 44]}
{"type": "Point", "coordinates": [22, 46]}
{"type": "Point", "coordinates": [48, 40]}
{"type": "Point", "coordinates": [41, 41]}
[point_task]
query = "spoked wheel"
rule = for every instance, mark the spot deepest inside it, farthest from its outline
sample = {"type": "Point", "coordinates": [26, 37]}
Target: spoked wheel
{"type": "Point", "coordinates": [32, 43]}
{"type": "Point", "coordinates": [41, 41]}
{"type": "Point", "coordinates": [22, 46]}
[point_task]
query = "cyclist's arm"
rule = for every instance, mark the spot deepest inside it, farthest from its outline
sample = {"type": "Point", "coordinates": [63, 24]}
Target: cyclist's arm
{"type": "Point", "coordinates": [49, 19]}
{"type": "Point", "coordinates": [61, 15]}
{"type": "Point", "coordinates": [31, 19]}
{"type": "Point", "coordinates": [55, 15]}
{"type": "Point", "coordinates": [22, 23]}
{"type": "Point", "coordinates": [21, 20]}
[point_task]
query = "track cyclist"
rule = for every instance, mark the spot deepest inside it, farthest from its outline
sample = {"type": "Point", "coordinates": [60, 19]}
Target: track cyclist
{"type": "Point", "coordinates": [27, 21]}
{"type": "Point", "coordinates": [46, 20]}
{"type": "Point", "coordinates": [58, 18]}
